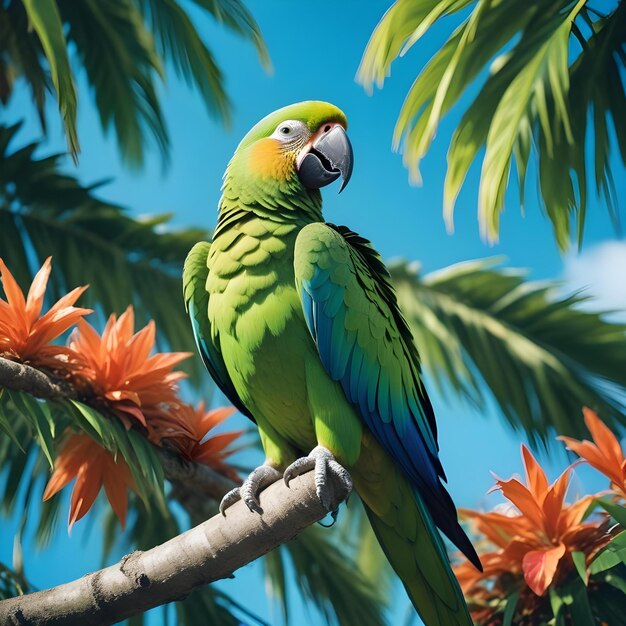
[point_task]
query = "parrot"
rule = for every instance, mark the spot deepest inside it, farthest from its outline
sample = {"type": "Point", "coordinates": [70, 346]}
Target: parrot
{"type": "Point", "coordinates": [297, 322]}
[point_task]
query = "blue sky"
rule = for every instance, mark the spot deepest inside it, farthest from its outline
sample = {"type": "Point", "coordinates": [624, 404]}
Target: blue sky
{"type": "Point", "coordinates": [315, 50]}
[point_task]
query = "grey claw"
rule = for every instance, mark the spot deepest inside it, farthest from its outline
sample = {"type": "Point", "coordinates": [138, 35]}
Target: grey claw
{"type": "Point", "coordinates": [323, 461]}
{"type": "Point", "coordinates": [258, 479]}
{"type": "Point", "coordinates": [229, 499]}
{"type": "Point", "coordinates": [298, 467]}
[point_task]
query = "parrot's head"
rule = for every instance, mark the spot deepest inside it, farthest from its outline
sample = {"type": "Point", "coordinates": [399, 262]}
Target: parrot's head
{"type": "Point", "coordinates": [295, 150]}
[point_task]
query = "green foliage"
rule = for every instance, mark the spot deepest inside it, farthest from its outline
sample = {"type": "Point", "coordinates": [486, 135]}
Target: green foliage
{"type": "Point", "coordinates": [611, 560]}
{"type": "Point", "coordinates": [125, 260]}
{"type": "Point", "coordinates": [599, 596]}
{"type": "Point", "coordinates": [616, 511]}
{"type": "Point", "coordinates": [25, 470]}
{"type": "Point", "coordinates": [611, 556]}
{"type": "Point", "coordinates": [43, 16]}
{"type": "Point", "coordinates": [550, 77]}
{"type": "Point", "coordinates": [140, 455]}
{"type": "Point", "coordinates": [121, 64]}
{"type": "Point", "coordinates": [11, 583]}
{"type": "Point", "coordinates": [123, 46]}
{"type": "Point", "coordinates": [509, 609]}
{"type": "Point", "coordinates": [28, 420]}
{"type": "Point", "coordinates": [540, 355]}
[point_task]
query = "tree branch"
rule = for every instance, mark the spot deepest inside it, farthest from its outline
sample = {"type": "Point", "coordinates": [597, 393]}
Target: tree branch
{"type": "Point", "coordinates": [21, 377]}
{"type": "Point", "coordinates": [195, 475]}
{"type": "Point", "coordinates": [208, 552]}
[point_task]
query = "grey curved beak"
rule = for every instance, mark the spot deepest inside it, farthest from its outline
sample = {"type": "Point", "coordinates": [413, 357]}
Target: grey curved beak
{"type": "Point", "coordinates": [329, 158]}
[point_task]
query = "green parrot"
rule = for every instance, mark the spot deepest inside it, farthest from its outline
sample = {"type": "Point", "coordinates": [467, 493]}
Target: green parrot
{"type": "Point", "coordinates": [297, 322]}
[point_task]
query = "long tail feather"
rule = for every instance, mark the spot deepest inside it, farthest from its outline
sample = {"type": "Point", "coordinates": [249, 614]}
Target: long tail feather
{"type": "Point", "coordinates": [410, 539]}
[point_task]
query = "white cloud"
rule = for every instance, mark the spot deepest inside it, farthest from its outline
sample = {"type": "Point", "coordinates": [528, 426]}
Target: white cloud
{"type": "Point", "coordinates": [601, 272]}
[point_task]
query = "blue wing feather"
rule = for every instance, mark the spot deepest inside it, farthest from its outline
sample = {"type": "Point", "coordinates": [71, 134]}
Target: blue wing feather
{"type": "Point", "coordinates": [351, 329]}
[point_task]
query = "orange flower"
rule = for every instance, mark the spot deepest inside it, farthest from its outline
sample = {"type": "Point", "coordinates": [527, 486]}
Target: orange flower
{"type": "Point", "coordinates": [186, 429]}
{"type": "Point", "coordinates": [535, 538]}
{"type": "Point", "coordinates": [606, 455]}
{"type": "Point", "coordinates": [93, 467]}
{"type": "Point", "coordinates": [119, 370]}
{"type": "Point", "coordinates": [24, 335]}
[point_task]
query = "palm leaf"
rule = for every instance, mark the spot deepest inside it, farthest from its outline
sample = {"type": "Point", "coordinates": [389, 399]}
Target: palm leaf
{"type": "Point", "coordinates": [44, 18]}
{"type": "Point", "coordinates": [27, 419]}
{"type": "Point", "coordinates": [121, 65]}
{"type": "Point", "coordinates": [235, 16]}
{"type": "Point", "coordinates": [551, 65]}
{"type": "Point", "coordinates": [123, 60]}
{"type": "Point", "coordinates": [178, 40]}
{"type": "Point", "coordinates": [22, 56]}
{"type": "Point", "coordinates": [125, 260]}
{"type": "Point", "coordinates": [11, 583]}
{"type": "Point", "coordinates": [540, 354]}
{"type": "Point", "coordinates": [25, 471]}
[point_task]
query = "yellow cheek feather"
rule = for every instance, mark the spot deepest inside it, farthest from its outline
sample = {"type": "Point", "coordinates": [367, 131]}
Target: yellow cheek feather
{"type": "Point", "coordinates": [268, 160]}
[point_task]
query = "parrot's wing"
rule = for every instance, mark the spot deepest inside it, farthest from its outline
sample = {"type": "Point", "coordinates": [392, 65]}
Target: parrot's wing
{"type": "Point", "coordinates": [195, 275]}
{"type": "Point", "coordinates": [365, 343]}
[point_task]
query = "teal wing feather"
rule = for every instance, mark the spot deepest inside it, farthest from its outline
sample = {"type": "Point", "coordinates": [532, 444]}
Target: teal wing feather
{"type": "Point", "coordinates": [364, 343]}
{"type": "Point", "coordinates": [196, 297]}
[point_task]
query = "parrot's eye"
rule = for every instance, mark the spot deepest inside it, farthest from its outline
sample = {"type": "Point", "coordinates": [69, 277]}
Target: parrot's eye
{"type": "Point", "coordinates": [290, 131]}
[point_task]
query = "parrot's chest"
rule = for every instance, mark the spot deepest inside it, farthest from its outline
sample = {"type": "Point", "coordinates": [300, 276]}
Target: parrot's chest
{"type": "Point", "coordinates": [256, 316]}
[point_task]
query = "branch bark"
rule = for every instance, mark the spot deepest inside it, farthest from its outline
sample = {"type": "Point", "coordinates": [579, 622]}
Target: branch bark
{"type": "Point", "coordinates": [21, 377]}
{"type": "Point", "coordinates": [208, 552]}
{"type": "Point", "coordinates": [199, 477]}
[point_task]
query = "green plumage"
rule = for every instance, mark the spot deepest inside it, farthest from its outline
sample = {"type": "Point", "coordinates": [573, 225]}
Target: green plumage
{"type": "Point", "coordinates": [298, 325]}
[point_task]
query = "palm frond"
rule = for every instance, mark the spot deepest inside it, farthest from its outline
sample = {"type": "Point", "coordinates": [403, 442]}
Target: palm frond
{"type": "Point", "coordinates": [25, 471]}
{"type": "Point", "coordinates": [235, 16]}
{"type": "Point", "coordinates": [541, 356]}
{"type": "Point", "coordinates": [124, 47]}
{"type": "Point", "coordinates": [44, 18]}
{"type": "Point", "coordinates": [11, 583]}
{"type": "Point", "coordinates": [46, 421]}
{"type": "Point", "coordinates": [122, 65]}
{"type": "Point", "coordinates": [22, 56]}
{"type": "Point", "coordinates": [550, 67]}
{"type": "Point", "coordinates": [125, 260]}
{"type": "Point", "coordinates": [178, 40]}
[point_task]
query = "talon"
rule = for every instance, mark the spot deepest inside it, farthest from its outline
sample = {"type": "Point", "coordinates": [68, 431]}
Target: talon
{"type": "Point", "coordinates": [258, 479]}
{"type": "Point", "coordinates": [298, 467]}
{"type": "Point", "coordinates": [323, 461]}
{"type": "Point", "coordinates": [229, 499]}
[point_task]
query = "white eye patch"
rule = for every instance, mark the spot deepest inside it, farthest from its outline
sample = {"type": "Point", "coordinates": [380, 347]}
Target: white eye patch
{"type": "Point", "coordinates": [290, 129]}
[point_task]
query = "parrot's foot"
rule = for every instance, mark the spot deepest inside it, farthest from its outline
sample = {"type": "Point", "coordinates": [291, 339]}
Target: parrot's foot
{"type": "Point", "coordinates": [324, 463]}
{"type": "Point", "coordinates": [258, 479]}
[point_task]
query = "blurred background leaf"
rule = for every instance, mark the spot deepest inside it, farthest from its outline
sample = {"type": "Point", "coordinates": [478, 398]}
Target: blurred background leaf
{"type": "Point", "coordinates": [124, 47]}
{"type": "Point", "coordinates": [480, 327]}
{"type": "Point", "coordinates": [125, 260]}
{"type": "Point", "coordinates": [549, 85]}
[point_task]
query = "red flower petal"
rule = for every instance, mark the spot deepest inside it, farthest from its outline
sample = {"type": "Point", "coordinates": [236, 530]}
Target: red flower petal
{"type": "Point", "coordinates": [539, 567]}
